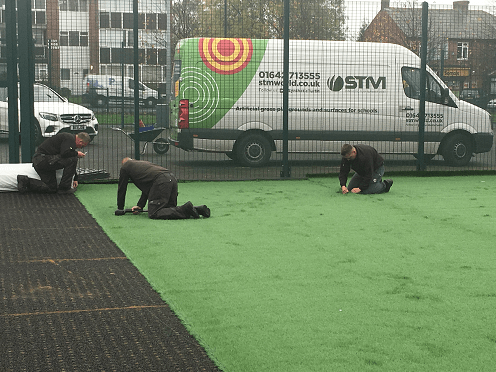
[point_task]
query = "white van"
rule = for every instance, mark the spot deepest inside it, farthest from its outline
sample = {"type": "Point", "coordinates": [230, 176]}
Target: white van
{"type": "Point", "coordinates": [52, 113]}
{"type": "Point", "coordinates": [101, 89]}
{"type": "Point", "coordinates": [229, 98]}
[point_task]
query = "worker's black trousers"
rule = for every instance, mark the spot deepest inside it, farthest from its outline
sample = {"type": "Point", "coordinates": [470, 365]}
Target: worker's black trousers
{"type": "Point", "coordinates": [162, 199]}
{"type": "Point", "coordinates": [46, 166]}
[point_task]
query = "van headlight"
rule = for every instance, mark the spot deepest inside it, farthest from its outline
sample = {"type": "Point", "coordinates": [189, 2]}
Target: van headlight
{"type": "Point", "coordinates": [49, 116]}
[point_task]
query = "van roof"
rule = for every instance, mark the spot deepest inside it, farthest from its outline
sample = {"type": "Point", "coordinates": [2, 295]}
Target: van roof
{"type": "Point", "coordinates": [349, 51]}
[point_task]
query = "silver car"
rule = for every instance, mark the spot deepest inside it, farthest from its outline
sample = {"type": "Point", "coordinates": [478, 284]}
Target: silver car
{"type": "Point", "coordinates": [52, 114]}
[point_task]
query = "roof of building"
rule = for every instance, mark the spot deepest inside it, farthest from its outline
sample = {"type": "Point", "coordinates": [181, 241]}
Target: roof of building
{"type": "Point", "coordinates": [449, 23]}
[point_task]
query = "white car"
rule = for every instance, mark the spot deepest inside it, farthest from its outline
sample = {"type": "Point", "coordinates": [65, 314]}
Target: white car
{"type": "Point", "coordinates": [53, 114]}
{"type": "Point", "coordinates": [492, 104]}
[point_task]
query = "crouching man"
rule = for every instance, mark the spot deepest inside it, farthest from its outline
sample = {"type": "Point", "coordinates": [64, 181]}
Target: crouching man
{"type": "Point", "coordinates": [57, 152]}
{"type": "Point", "coordinates": [159, 187]}
{"type": "Point", "coordinates": [368, 165]}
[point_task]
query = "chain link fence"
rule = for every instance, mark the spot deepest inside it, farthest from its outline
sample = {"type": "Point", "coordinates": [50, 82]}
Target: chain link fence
{"type": "Point", "coordinates": [198, 86]}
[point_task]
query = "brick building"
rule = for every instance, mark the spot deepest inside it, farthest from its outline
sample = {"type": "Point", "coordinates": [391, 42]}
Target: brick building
{"type": "Point", "coordinates": [461, 41]}
{"type": "Point", "coordinates": [74, 38]}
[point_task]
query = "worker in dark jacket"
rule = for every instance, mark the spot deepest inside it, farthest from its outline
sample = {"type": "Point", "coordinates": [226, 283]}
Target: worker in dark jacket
{"type": "Point", "coordinates": [57, 152]}
{"type": "Point", "coordinates": [159, 187]}
{"type": "Point", "coordinates": [369, 169]}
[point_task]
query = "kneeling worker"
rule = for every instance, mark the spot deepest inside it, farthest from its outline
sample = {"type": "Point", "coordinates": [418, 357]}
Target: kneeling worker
{"type": "Point", "coordinates": [369, 169]}
{"type": "Point", "coordinates": [57, 152]}
{"type": "Point", "coordinates": [159, 187]}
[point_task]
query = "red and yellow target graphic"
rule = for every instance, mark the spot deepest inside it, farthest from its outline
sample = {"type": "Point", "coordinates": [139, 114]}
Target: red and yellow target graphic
{"type": "Point", "coordinates": [225, 56]}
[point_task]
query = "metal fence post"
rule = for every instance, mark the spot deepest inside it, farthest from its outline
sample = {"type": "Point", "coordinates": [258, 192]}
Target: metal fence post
{"type": "Point", "coordinates": [10, 21]}
{"type": "Point", "coordinates": [423, 78]}
{"type": "Point", "coordinates": [26, 78]}
{"type": "Point", "coordinates": [286, 172]}
{"type": "Point", "coordinates": [136, 81]}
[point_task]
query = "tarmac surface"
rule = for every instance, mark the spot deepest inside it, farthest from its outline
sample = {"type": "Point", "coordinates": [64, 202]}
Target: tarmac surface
{"type": "Point", "coordinates": [71, 300]}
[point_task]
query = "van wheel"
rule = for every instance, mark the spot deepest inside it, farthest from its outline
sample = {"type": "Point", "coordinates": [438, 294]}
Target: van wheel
{"type": "Point", "coordinates": [150, 102]}
{"type": "Point", "coordinates": [160, 146]}
{"type": "Point", "coordinates": [458, 150]}
{"type": "Point", "coordinates": [254, 150]}
{"type": "Point", "coordinates": [231, 155]}
{"type": "Point", "coordinates": [100, 101]}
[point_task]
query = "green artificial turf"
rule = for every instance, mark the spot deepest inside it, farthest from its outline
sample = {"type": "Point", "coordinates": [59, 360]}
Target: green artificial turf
{"type": "Point", "coordinates": [293, 276]}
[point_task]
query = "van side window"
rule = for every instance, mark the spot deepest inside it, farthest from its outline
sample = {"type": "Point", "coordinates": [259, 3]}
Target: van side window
{"type": "Point", "coordinates": [411, 85]}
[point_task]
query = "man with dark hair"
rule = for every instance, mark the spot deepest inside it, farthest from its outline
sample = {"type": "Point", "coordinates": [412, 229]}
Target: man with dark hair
{"type": "Point", "coordinates": [159, 187]}
{"type": "Point", "coordinates": [369, 169]}
{"type": "Point", "coordinates": [57, 152]}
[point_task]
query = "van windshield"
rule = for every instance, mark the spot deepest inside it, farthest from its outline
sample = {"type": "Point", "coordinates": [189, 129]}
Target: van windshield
{"type": "Point", "coordinates": [411, 85]}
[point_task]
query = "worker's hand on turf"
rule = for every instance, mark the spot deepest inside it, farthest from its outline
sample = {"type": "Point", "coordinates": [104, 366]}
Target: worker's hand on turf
{"type": "Point", "coordinates": [344, 190]}
{"type": "Point", "coordinates": [136, 209]}
{"type": "Point", "coordinates": [120, 212]}
{"type": "Point", "coordinates": [356, 190]}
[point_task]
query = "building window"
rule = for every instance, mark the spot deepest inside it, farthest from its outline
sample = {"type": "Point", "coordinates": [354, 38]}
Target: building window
{"type": "Point", "coordinates": [151, 56]}
{"type": "Point", "coordinates": [104, 20]}
{"type": "Point", "coordinates": [130, 39]}
{"type": "Point", "coordinates": [65, 74]}
{"type": "Point", "coordinates": [116, 20]}
{"type": "Point", "coordinates": [73, 38]}
{"type": "Point", "coordinates": [83, 39]}
{"type": "Point", "coordinates": [104, 55]}
{"type": "Point", "coordinates": [73, 5]}
{"type": "Point", "coordinates": [36, 4]}
{"type": "Point", "coordinates": [64, 38]}
{"type": "Point", "coordinates": [462, 51]}
{"type": "Point", "coordinates": [162, 56]}
{"type": "Point", "coordinates": [151, 21]}
{"type": "Point", "coordinates": [127, 19]}
{"type": "Point", "coordinates": [40, 18]}
{"type": "Point", "coordinates": [162, 21]}
{"type": "Point", "coordinates": [39, 37]}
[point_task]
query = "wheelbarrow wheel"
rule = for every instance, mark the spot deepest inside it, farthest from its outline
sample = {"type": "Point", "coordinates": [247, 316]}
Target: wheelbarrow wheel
{"type": "Point", "coordinates": [161, 146]}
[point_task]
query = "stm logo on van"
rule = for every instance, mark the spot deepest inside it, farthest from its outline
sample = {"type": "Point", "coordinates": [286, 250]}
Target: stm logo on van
{"type": "Point", "coordinates": [356, 82]}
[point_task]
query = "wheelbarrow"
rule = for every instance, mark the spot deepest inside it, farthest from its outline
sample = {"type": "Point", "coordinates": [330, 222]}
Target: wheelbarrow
{"type": "Point", "coordinates": [148, 135]}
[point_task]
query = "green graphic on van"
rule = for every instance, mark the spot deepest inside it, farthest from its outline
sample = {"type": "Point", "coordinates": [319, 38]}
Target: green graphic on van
{"type": "Point", "coordinates": [227, 65]}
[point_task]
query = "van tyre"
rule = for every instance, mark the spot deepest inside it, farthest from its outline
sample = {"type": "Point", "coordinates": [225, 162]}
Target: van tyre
{"type": "Point", "coordinates": [100, 101]}
{"type": "Point", "coordinates": [231, 155]}
{"type": "Point", "coordinates": [150, 102]}
{"type": "Point", "coordinates": [458, 150]}
{"type": "Point", "coordinates": [160, 146]}
{"type": "Point", "coordinates": [253, 150]}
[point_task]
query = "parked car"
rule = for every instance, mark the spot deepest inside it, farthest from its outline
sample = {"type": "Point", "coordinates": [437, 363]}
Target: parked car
{"type": "Point", "coordinates": [492, 104]}
{"type": "Point", "coordinates": [477, 97]}
{"type": "Point", "coordinates": [52, 114]}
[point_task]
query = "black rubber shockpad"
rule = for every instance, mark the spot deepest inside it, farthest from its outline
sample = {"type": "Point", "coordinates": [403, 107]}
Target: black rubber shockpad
{"type": "Point", "coordinates": [71, 300]}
